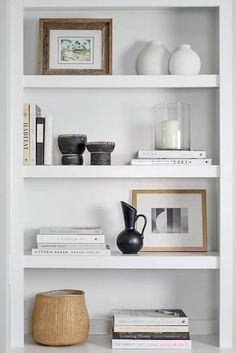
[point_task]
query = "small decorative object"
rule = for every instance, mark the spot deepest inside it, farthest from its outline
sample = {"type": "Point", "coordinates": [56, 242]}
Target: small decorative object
{"type": "Point", "coordinates": [176, 219]}
{"type": "Point", "coordinates": [153, 59]}
{"type": "Point", "coordinates": [100, 152]}
{"type": "Point", "coordinates": [172, 130]}
{"type": "Point", "coordinates": [72, 147]}
{"type": "Point", "coordinates": [75, 46]}
{"type": "Point", "coordinates": [60, 318]}
{"type": "Point", "coordinates": [185, 61]}
{"type": "Point", "coordinates": [130, 241]}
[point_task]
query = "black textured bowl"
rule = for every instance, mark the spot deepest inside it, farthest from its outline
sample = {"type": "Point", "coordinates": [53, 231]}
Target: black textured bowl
{"type": "Point", "coordinates": [100, 147]}
{"type": "Point", "coordinates": [72, 159]}
{"type": "Point", "coordinates": [72, 144]}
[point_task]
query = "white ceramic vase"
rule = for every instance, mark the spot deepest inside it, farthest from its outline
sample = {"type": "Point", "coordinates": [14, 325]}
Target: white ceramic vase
{"type": "Point", "coordinates": [153, 59]}
{"type": "Point", "coordinates": [185, 61]}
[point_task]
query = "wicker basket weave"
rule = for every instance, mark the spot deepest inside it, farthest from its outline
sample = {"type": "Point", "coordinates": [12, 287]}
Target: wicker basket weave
{"type": "Point", "coordinates": [60, 318]}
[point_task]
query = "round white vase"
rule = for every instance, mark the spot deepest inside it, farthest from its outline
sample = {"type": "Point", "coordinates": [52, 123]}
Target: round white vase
{"type": "Point", "coordinates": [153, 59]}
{"type": "Point", "coordinates": [185, 61]}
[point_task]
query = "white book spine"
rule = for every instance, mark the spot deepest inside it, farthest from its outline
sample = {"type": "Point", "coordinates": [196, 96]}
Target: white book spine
{"type": "Point", "coordinates": [172, 161]}
{"type": "Point", "coordinates": [151, 344]}
{"type": "Point", "coordinates": [155, 328]}
{"type": "Point", "coordinates": [71, 252]}
{"type": "Point", "coordinates": [148, 321]}
{"type": "Point", "coordinates": [26, 135]}
{"type": "Point", "coordinates": [70, 230]}
{"type": "Point", "coordinates": [88, 239]}
{"type": "Point", "coordinates": [171, 154]}
{"type": "Point", "coordinates": [34, 112]}
{"type": "Point", "coordinates": [50, 246]}
{"type": "Point", "coordinates": [48, 145]}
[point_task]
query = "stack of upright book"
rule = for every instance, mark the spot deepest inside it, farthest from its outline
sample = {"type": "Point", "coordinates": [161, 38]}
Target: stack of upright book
{"type": "Point", "coordinates": [71, 241]}
{"type": "Point", "coordinates": [171, 157]}
{"type": "Point", "coordinates": [37, 137]}
{"type": "Point", "coordinates": [150, 329]}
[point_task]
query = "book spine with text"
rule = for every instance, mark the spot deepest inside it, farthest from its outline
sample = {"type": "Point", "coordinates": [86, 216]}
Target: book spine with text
{"type": "Point", "coordinates": [48, 145]}
{"type": "Point", "coordinates": [156, 328]}
{"type": "Point", "coordinates": [26, 135]}
{"type": "Point", "coordinates": [171, 154]}
{"type": "Point", "coordinates": [50, 246]}
{"type": "Point", "coordinates": [70, 230]}
{"type": "Point", "coordinates": [167, 162]}
{"type": "Point", "coordinates": [151, 344]}
{"type": "Point", "coordinates": [88, 239]}
{"type": "Point", "coordinates": [71, 252]}
{"type": "Point", "coordinates": [34, 112]}
{"type": "Point", "coordinates": [146, 321]}
{"type": "Point", "coordinates": [40, 136]}
{"type": "Point", "coordinates": [151, 335]}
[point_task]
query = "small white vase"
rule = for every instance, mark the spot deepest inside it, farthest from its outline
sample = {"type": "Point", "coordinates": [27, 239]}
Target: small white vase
{"type": "Point", "coordinates": [153, 59]}
{"type": "Point", "coordinates": [185, 61]}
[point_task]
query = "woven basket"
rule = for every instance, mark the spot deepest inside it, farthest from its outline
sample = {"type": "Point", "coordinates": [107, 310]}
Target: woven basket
{"type": "Point", "coordinates": [60, 318]}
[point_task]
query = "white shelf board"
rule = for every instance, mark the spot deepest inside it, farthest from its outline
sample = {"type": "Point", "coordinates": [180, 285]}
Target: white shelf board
{"type": "Point", "coordinates": [121, 81]}
{"type": "Point", "coordinates": [102, 344]}
{"type": "Point", "coordinates": [114, 4]}
{"type": "Point", "coordinates": [59, 171]}
{"type": "Point", "coordinates": [209, 260]}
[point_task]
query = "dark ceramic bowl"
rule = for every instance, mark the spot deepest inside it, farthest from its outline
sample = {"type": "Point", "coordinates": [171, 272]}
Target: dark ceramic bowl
{"type": "Point", "coordinates": [100, 147]}
{"type": "Point", "coordinates": [72, 144]}
{"type": "Point", "coordinates": [72, 159]}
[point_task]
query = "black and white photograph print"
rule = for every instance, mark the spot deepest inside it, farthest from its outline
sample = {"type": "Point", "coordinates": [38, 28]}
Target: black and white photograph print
{"type": "Point", "coordinates": [176, 219]}
{"type": "Point", "coordinates": [169, 220]}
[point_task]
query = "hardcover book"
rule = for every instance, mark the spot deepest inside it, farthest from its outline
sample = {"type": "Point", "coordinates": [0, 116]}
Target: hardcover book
{"type": "Point", "coordinates": [151, 344]}
{"type": "Point", "coordinates": [26, 135]}
{"type": "Point", "coordinates": [70, 238]}
{"type": "Point", "coordinates": [40, 140]}
{"type": "Point", "coordinates": [156, 328]}
{"type": "Point", "coordinates": [35, 112]}
{"type": "Point", "coordinates": [67, 246]}
{"type": "Point", "coordinates": [70, 230]}
{"type": "Point", "coordinates": [151, 335]}
{"type": "Point", "coordinates": [171, 154]}
{"type": "Point", "coordinates": [172, 161]}
{"type": "Point", "coordinates": [150, 317]}
{"type": "Point", "coordinates": [70, 252]}
{"type": "Point", "coordinates": [48, 145]}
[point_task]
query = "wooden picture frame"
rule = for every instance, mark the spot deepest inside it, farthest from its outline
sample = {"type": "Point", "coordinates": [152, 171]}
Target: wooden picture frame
{"type": "Point", "coordinates": [75, 46]}
{"type": "Point", "coordinates": [185, 210]}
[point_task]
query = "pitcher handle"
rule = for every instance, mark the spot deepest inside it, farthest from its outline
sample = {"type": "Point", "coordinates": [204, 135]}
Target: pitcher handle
{"type": "Point", "coordinates": [145, 221]}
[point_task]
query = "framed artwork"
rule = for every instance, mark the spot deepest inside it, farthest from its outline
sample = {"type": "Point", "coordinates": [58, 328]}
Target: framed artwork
{"type": "Point", "coordinates": [75, 46]}
{"type": "Point", "coordinates": [176, 219]}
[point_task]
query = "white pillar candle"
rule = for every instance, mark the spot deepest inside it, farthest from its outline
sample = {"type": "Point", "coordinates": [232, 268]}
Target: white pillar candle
{"type": "Point", "coordinates": [171, 135]}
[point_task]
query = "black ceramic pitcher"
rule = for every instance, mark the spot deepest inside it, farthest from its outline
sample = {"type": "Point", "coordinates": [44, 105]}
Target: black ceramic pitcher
{"type": "Point", "coordinates": [130, 241]}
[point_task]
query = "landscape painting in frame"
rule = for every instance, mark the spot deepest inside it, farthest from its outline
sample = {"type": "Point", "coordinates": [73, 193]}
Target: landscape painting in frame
{"type": "Point", "coordinates": [75, 50]}
{"type": "Point", "coordinates": [75, 46]}
{"type": "Point", "coordinates": [176, 219]}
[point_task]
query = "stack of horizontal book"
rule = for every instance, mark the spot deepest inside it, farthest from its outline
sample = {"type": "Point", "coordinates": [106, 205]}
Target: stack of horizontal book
{"type": "Point", "coordinates": [71, 241]}
{"type": "Point", "coordinates": [37, 138]}
{"type": "Point", "coordinates": [171, 157]}
{"type": "Point", "coordinates": [150, 329]}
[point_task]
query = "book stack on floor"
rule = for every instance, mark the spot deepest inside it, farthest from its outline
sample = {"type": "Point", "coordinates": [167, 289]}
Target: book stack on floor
{"type": "Point", "coordinates": [37, 137]}
{"type": "Point", "coordinates": [150, 329]}
{"type": "Point", "coordinates": [71, 241]}
{"type": "Point", "coordinates": [171, 157]}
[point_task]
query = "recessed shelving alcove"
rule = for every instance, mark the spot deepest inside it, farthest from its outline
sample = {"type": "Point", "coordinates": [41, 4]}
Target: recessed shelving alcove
{"type": "Point", "coordinates": [120, 108]}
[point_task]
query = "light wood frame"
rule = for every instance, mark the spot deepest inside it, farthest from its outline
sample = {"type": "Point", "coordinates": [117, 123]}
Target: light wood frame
{"type": "Point", "coordinates": [137, 192]}
{"type": "Point", "coordinates": [104, 25]}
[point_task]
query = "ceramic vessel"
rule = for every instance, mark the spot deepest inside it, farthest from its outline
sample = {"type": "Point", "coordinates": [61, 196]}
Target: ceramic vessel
{"type": "Point", "coordinates": [185, 61]}
{"type": "Point", "coordinates": [100, 152]}
{"type": "Point", "coordinates": [60, 318]}
{"type": "Point", "coordinates": [130, 241]}
{"type": "Point", "coordinates": [72, 159]}
{"type": "Point", "coordinates": [153, 59]}
{"type": "Point", "coordinates": [72, 143]}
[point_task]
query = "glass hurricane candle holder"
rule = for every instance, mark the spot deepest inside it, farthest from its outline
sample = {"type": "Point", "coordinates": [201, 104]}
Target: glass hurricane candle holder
{"type": "Point", "coordinates": [172, 130]}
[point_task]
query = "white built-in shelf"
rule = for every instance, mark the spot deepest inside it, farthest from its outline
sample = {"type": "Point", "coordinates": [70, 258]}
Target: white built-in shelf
{"type": "Point", "coordinates": [114, 4]}
{"type": "Point", "coordinates": [59, 171]}
{"type": "Point", "coordinates": [124, 81]}
{"type": "Point", "coordinates": [102, 344]}
{"type": "Point", "coordinates": [209, 260]}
